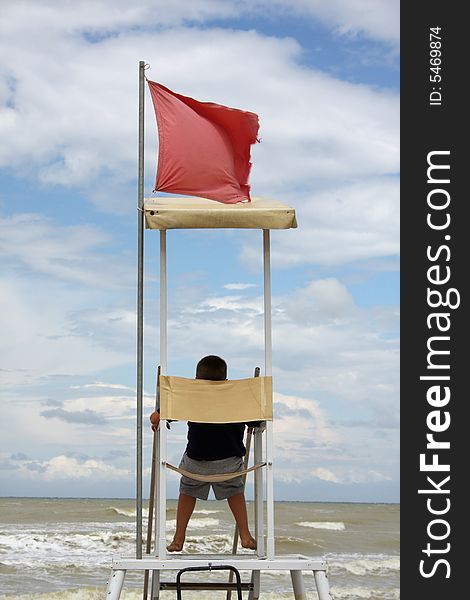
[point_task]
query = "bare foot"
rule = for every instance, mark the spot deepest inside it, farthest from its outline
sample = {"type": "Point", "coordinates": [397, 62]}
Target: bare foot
{"type": "Point", "coordinates": [249, 543]}
{"type": "Point", "coordinates": [176, 546]}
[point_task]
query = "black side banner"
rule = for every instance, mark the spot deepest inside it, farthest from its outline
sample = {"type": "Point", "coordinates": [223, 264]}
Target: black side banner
{"type": "Point", "coordinates": [434, 300]}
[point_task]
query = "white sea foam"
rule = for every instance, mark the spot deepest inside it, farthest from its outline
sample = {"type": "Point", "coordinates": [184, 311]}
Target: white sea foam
{"type": "Point", "coordinates": [195, 523]}
{"type": "Point", "coordinates": [35, 549]}
{"type": "Point", "coordinates": [79, 594]}
{"type": "Point", "coordinates": [131, 514]}
{"type": "Point", "coordinates": [289, 539]}
{"type": "Point", "coordinates": [337, 526]}
{"type": "Point", "coordinates": [214, 544]}
{"type": "Point", "coordinates": [203, 511]}
{"type": "Point", "coordinates": [127, 594]}
{"type": "Point", "coordinates": [354, 593]}
{"type": "Point", "coordinates": [377, 564]}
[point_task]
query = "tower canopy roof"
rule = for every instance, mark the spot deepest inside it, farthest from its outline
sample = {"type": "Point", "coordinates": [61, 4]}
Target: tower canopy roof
{"type": "Point", "coordinates": [201, 213]}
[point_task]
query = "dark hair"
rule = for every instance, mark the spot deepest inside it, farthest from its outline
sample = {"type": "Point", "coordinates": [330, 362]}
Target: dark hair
{"type": "Point", "coordinates": [211, 367]}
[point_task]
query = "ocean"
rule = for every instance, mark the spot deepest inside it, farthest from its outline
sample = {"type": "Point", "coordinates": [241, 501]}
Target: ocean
{"type": "Point", "coordinates": [61, 549]}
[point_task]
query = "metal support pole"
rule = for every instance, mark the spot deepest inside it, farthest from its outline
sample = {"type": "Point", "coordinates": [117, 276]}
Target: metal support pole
{"type": "Point", "coordinates": [160, 512]}
{"type": "Point", "coordinates": [236, 535]}
{"type": "Point", "coordinates": [323, 586]}
{"type": "Point", "coordinates": [270, 550]}
{"type": "Point", "coordinates": [152, 488]}
{"type": "Point", "coordinates": [157, 495]}
{"type": "Point", "coordinates": [140, 313]}
{"type": "Point", "coordinates": [163, 305]}
{"type": "Point", "coordinates": [115, 584]}
{"type": "Point", "coordinates": [298, 585]}
{"type": "Point", "coordinates": [155, 589]}
{"type": "Point", "coordinates": [258, 487]}
{"type": "Point", "coordinates": [161, 504]}
{"type": "Point", "coordinates": [259, 494]}
{"type": "Point", "coordinates": [268, 371]}
{"type": "Point", "coordinates": [268, 344]}
{"type": "Point", "coordinates": [254, 594]}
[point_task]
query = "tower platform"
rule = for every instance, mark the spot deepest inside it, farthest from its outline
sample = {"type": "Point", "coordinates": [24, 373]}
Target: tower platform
{"type": "Point", "coordinates": [296, 564]}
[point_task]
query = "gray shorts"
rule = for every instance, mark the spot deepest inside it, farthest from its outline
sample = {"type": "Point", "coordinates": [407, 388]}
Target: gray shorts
{"type": "Point", "coordinates": [222, 489]}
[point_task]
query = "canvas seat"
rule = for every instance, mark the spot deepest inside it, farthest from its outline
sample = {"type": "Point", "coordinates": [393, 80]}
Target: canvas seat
{"type": "Point", "coordinates": [229, 401]}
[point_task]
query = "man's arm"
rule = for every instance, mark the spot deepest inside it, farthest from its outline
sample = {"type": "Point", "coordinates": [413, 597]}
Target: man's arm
{"type": "Point", "coordinates": [155, 420]}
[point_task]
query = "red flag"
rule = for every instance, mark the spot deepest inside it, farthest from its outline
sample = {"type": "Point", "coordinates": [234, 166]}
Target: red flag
{"type": "Point", "coordinates": [204, 148]}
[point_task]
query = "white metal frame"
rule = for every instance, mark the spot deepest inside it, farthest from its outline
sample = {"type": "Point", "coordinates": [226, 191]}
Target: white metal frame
{"type": "Point", "coordinates": [265, 543]}
{"type": "Point", "coordinates": [296, 564]}
{"type": "Point", "coordinates": [160, 520]}
{"type": "Point", "coordinates": [268, 362]}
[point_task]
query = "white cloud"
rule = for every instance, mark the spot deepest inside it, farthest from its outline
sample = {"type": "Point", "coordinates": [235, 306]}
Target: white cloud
{"type": "Point", "coordinates": [320, 301]}
{"type": "Point", "coordinates": [113, 406]}
{"type": "Point", "coordinates": [79, 131]}
{"type": "Point", "coordinates": [330, 148]}
{"type": "Point", "coordinates": [324, 474]}
{"type": "Point", "coordinates": [230, 303]}
{"type": "Point", "coordinates": [84, 428]}
{"type": "Point", "coordinates": [358, 475]}
{"type": "Point", "coordinates": [72, 253]}
{"type": "Point", "coordinates": [105, 17]}
{"type": "Point", "coordinates": [101, 384]}
{"type": "Point", "coordinates": [66, 299]}
{"type": "Point", "coordinates": [302, 474]}
{"type": "Point", "coordinates": [43, 338]}
{"type": "Point", "coordinates": [301, 421]}
{"type": "Point", "coordinates": [359, 221]}
{"type": "Point", "coordinates": [63, 467]}
{"type": "Point", "coordinates": [66, 467]}
{"type": "Point", "coordinates": [311, 443]}
{"type": "Point", "coordinates": [377, 19]}
{"type": "Point", "coordinates": [344, 477]}
{"type": "Point", "coordinates": [239, 286]}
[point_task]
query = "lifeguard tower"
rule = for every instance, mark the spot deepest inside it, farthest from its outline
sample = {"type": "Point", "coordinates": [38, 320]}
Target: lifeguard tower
{"type": "Point", "coordinates": [243, 400]}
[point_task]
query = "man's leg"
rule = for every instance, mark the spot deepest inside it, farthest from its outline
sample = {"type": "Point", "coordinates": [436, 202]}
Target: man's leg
{"type": "Point", "coordinates": [238, 507]}
{"type": "Point", "coordinates": [184, 511]}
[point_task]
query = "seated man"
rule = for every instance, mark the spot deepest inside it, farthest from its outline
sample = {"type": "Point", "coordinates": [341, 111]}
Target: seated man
{"type": "Point", "coordinates": [212, 448]}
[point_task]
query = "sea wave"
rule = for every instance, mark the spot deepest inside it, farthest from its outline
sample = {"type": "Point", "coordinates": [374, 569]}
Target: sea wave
{"type": "Point", "coordinates": [292, 545]}
{"type": "Point", "coordinates": [195, 523]}
{"type": "Point", "coordinates": [203, 511]}
{"type": "Point", "coordinates": [377, 564]}
{"type": "Point", "coordinates": [74, 594]}
{"type": "Point", "coordinates": [35, 548]}
{"type": "Point", "coordinates": [335, 525]}
{"type": "Point", "coordinates": [129, 513]}
{"type": "Point", "coordinates": [4, 568]}
{"type": "Point", "coordinates": [127, 594]}
{"type": "Point", "coordinates": [213, 544]}
{"type": "Point", "coordinates": [359, 593]}
{"type": "Point", "coordinates": [289, 539]}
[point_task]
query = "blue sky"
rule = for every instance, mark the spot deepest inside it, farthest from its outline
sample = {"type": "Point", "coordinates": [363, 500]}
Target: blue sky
{"type": "Point", "coordinates": [323, 78]}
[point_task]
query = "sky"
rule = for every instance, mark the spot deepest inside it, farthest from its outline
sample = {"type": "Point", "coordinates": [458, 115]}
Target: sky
{"type": "Point", "coordinates": [324, 80]}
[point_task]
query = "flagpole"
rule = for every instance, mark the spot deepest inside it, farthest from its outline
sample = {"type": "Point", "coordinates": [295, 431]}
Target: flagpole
{"type": "Point", "coordinates": [140, 312]}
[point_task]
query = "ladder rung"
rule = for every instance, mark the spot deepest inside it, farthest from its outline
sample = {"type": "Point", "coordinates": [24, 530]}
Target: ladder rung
{"type": "Point", "coordinates": [215, 585]}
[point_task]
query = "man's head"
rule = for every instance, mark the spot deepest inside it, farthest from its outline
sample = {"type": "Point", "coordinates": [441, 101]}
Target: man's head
{"type": "Point", "coordinates": [211, 367]}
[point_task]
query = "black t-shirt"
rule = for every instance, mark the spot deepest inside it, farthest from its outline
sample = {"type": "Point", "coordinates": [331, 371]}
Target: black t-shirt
{"type": "Point", "coordinates": [215, 441]}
